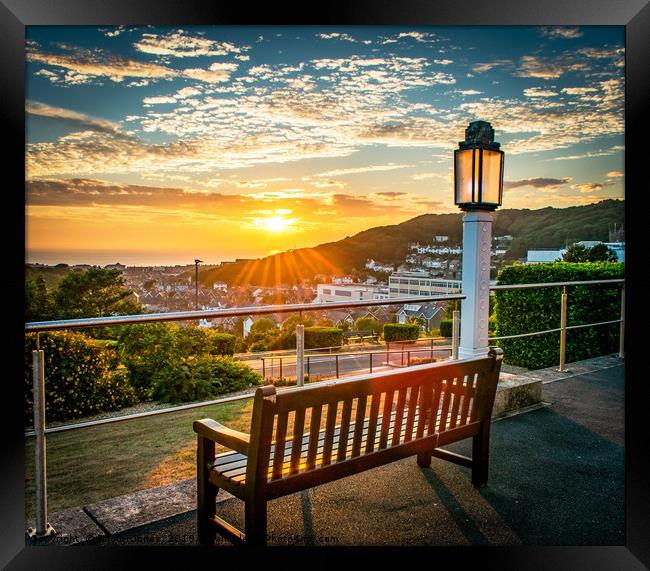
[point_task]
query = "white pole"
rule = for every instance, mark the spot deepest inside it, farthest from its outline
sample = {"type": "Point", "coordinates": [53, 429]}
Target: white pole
{"type": "Point", "coordinates": [621, 339]}
{"type": "Point", "coordinates": [454, 334]}
{"type": "Point", "coordinates": [477, 239]}
{"type": "Point", "coordinates": [563, 307]}
{"type": "Point", "coordinates": [300, 355]}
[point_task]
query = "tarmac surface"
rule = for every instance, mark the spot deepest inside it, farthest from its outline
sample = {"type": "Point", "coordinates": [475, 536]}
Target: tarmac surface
{"type": "Point", "coordinates": [556, 478]}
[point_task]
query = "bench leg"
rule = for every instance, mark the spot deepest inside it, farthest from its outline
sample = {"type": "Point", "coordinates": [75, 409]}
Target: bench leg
{"type": "Point", "coordinates": [480, 456]}
{"type": "Point", "coordinates": [424, 459]}
{"type": "Point", "coordinates": [255, 521]}
{"type": "Point", "coordinates": [206, 492]}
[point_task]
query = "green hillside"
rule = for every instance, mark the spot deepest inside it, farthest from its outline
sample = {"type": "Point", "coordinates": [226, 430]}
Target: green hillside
{"type": "Point", "coordinates": [544, 228]}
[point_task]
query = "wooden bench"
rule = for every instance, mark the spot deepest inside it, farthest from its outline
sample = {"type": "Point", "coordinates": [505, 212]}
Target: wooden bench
{"type": "Point", "coordinates": [341, 428]}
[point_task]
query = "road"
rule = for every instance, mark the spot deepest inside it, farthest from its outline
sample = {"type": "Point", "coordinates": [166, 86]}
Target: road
{"type": "Point", "coordinates": [325, 366]}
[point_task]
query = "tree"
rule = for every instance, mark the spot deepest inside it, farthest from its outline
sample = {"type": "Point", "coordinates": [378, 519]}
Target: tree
{"type": "Point", "coordinates": [367, 323]}
{"type": "Point", "coordinates": [290, 323]}
{"type": "Point", "coordinates": [598, 253]}
{"type": "Point", "coordinates": [263, 325]}
{"type": "Point", "coordinates": [39, 303]}
{"type": "Point", "coordinates": [96, 292]}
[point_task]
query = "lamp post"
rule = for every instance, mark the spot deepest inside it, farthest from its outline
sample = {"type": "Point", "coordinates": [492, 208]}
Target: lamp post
{"type": "Point", "coordinates": [478, 189]}
{"type": "Point", "coordinates": [196, 285]}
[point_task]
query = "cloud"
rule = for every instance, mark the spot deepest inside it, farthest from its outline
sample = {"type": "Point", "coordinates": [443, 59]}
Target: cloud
{"type": "Point", "coordinates": [83, 66]}
{"type": "Point", "coordinates": [589, 186]}
{"type": "Point", "coordinates": [547, 68]}
{"type": "Point", "coordinates": [179, 44]}
{"type": "Point", "coordinates": [79, 119]}
{"type": "Point", "coordinates": [487, 66]}
{"type": "Point", "coordinates": [615, 174]}
{"type": "Point", "coordinates": [542, 184]}
{"type": "Point", "coordinates": [539, 92]}
{"type": "Point", "coordinates": [590, 154]}
{"type": "Point", "coordinates": [469, 92]}
{"type": "Point", "coordinates": [337, 36]}
{"type": "Point", "coordinates": [357, 170]}
{"type": "Point", "coordinates": [564, 32]}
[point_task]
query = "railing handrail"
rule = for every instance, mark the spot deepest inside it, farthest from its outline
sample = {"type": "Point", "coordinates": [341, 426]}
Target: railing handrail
{"type": "Point", "coordinates": [229, 312]}
{"type": "Point", "coordinates": [554, 284]}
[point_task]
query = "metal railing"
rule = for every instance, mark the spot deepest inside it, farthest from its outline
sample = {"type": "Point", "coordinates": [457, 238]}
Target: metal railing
{"type": "Point", "coordinates": [42, 527]}
{"type": "Point", "coordinates": [40, 431]}
{"type": "Point", "coordinates": [563, 314]}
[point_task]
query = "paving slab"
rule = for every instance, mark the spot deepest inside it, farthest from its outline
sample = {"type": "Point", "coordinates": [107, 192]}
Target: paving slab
{"type": "Point", "coordinates": [146, 506]}
{"type": "Point", "coordinates": [71, 527]}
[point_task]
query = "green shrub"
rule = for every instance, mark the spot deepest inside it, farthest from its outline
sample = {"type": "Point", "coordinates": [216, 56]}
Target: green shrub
{"type": "Point", "coordinates": [536, 309]}
{"type": "Point", "coordinates": [317, 337]}
{"type": "Point", "coordinates": [446, 328]}
{"type": "Point", "coordinates": [367, 323]}
{"type": "Point", "coordinates": [79, 380]}
{"type": "Point", "coordinates": [202, 377]}
{"type": "Point", "coordinates": [401, 331]}
{"type": "Point", "coordinates": [259, 346]}
{"type": "Point", "coordinates": [285, 340]}
{"type": "Point", "coordinates": [146, 349]}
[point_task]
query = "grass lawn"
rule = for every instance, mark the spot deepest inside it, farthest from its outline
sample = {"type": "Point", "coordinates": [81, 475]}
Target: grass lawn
{"type": "Point", "coordinates": [87, 465]}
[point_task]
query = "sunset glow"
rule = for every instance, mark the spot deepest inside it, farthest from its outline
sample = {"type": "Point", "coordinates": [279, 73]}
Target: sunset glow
{"type": "Point", "coordinates": [171, 143]}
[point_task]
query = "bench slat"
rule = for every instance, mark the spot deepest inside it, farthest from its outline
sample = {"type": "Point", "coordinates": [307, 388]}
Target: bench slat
{"type": "Point", "coordinates": [410, 417]}
{"type": "Point", "coordinates": [344, 431]}
{"type": "Point", "coordinates": [372, 422]}
{"type": "Point", "coordinates": [329, 432]}
{"type": "Point", "coordinates": [399, 415]}
{"type": "Point", "coordinates": [236, 470]}
{"type": "Point", "coordinates": [359, 424]}
{"type": "Point", "coordinates": [280, 441]}
{"type": "Point", "coordinates": [314, 432]}
{"type": "Point", "coordinates": [388, 405]}
{"type": "Point", "coordinates": [297, 442]}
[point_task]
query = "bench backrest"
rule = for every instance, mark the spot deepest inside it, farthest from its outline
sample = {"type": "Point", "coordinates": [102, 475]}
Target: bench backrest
{"type": "Point", "coordinates": [335, 421]}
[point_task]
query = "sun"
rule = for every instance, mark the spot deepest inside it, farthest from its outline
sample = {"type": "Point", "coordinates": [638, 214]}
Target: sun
{"type": "Point", "coordinates": [276, 224]}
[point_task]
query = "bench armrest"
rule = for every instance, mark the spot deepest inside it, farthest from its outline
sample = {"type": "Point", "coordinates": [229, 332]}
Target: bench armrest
{"type": "Point", "coordinates": [220, 434]}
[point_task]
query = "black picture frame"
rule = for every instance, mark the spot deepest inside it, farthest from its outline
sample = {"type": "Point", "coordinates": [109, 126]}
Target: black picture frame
{"type": "Point", "coordinates": [15, 15]}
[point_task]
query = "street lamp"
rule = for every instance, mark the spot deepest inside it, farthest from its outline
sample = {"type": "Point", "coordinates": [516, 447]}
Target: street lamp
{"type": "Point", "coordinates": [478, 190]}
{"type": "Point", "coordinates": [196, 272]}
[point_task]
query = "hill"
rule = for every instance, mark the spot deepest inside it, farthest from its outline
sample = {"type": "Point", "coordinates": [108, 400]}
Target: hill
{"type": "Point", "coordinates": [544, 228]}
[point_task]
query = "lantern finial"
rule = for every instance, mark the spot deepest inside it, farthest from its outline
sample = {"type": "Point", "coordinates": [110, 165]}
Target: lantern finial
{"type": "Point", "coordinates": [479, 134]}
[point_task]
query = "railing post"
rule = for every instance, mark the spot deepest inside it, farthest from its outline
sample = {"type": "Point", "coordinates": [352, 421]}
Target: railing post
{"type": "Point", "coordinates": [370, 355]}
{"type": "Point", "coordinates": [308, 369]}
{"type": "Point", "coordinates": [621, 337]}
{"type": "Point", "coordinates": [300, 355]}
{"type": "Point", "coordinates": [42, 527]}
{"type": "Point", "coordinates": [280, 368]}
{"type": "Point", "coordinates": [455, 334]}
{"type": "Point", "coordinates": [563, 330]}
{"type": "Point", "coordinates": [337, 366]}
{"type": "Point", "coordinates": [263, 370]}
{"type": "Point", "coordinates": [432, 347]}
{"type": "Point", "coordinates": [408, 358]}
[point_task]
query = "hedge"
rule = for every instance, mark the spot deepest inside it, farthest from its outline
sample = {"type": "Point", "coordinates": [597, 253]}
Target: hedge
{"type": "Point", "coordinates": [317, 337]}
{"type": "Point", "coordinates": [446, 328]}
{"type": "Point", "coordinates": [202, 377]}
{"type": "Point", "coordinates": [79, 378]}
{"type": "Point", "coordinates": [526, 310]}
{"type": "Point", "coordinates": [401, 331]}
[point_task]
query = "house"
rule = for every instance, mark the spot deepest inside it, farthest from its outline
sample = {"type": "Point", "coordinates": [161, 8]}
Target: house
{"type": "Point", "coordinates": [430, 314]}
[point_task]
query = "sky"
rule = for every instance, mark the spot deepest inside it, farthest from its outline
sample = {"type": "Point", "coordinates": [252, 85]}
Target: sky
{"type": "Point", "coordinates": [159, 145]}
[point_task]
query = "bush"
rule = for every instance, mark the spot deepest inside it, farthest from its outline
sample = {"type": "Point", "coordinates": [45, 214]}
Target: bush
{"type": "Point", "coordinates": [146, 349]}
{"type": "Point", "coordinates": [79, 380]}
{"type": "Point", "coordinates": [317, 337]}
{"type": "Point", "coordinates": [527, 310]}
{"type": "Point", "coordinates": [446, 327]}
{"type": "Point", "coordinates": [401, 331]}
{"type": "Point", "coordinates": [285, 340]}
{"type": "Point", "coordinates": [367, 323]}
{"type": "Point", "coordinates": [202, 377]}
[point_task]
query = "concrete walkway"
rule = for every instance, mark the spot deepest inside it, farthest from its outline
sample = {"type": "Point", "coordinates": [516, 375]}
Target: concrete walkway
{"type": "Point", "coordinates": [556, 478]}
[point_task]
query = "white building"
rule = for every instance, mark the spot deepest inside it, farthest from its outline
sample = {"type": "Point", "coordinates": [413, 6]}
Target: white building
{"type": "Point", "coordinates": [326, 293]}
{"type": "Point", "coordinates": [221, 286]}
{"type": "Point", "coordinates": [541, 256]}
{"type": "Point", "coordinates": [403, 284]}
